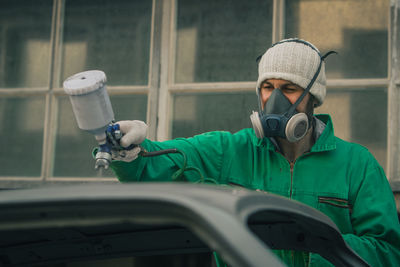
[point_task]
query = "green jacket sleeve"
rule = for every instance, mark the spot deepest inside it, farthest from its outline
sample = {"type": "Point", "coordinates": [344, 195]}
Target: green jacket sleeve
{"type": "Point", "coordinates": [376, 236]}
{"type": "Point", "coordinates": [203, 151]}
{"type": "Point", "coordinates": [376, 226]}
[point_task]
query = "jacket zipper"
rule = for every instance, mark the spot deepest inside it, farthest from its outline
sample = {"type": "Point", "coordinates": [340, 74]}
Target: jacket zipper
{"type": "Point", "coordinates": [292, 256]}
{"type": "Point", "coordinates": [291, 179]}
{"type": "Point", "coordinates": [290, 197]}
{"type": "Point", "coordinates": [291, 173]}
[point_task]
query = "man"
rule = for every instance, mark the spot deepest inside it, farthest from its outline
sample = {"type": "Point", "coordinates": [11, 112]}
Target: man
{"type": "Point", "coordinates": [291, 152]}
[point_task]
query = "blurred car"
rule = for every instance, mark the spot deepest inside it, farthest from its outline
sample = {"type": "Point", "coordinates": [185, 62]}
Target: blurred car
{"type": "Point", "coordinates": [93, 224]}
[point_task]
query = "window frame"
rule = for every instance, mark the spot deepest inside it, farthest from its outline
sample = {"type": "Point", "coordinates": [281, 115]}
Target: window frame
{"type": "Point", "coordinates": [168, 87]}
{"type": "Point", "coordinates": [161, 86]}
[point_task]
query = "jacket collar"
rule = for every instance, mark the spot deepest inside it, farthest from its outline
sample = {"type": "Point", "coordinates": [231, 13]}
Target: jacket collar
{"type": "Point", "coordinates": [323, 133]}
{"type": "Point", "coordinates": [326, 140]}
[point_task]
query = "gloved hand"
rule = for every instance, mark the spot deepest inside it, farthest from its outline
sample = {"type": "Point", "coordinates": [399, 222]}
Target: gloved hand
{"type": "Point", "coordinates": [134, 132]}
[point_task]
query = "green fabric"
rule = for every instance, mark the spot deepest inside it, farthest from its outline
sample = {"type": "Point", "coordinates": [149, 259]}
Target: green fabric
{"type": "Point", "coordinates": [341, 179]}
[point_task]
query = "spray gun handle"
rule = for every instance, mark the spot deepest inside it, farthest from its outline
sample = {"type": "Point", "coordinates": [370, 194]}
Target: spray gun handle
{"type": "Point", "coordinates": [111, 143]}
{"type": "Point", "coordinates": [114, 135]}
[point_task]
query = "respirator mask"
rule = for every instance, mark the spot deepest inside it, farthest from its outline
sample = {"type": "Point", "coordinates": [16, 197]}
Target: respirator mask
{"type": "Point", "coordinates": [279, 117]}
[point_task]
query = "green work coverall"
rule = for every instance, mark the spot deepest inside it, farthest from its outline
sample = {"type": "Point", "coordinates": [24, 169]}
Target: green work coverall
{"type": "Point", "coordinates": [341, 179]}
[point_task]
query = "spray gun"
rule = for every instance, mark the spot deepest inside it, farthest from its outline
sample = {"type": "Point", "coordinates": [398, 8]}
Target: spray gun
{"type": "Point", "coordinates": [93, 112]}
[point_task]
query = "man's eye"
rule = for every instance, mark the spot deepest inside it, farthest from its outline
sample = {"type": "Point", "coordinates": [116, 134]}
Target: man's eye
{"type": "Point", "coordinates": [267, 87]}
{"type": "Point", "coordinates": [289, 89]}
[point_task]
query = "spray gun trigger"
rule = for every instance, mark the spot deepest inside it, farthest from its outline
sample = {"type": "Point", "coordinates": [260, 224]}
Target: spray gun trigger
{"type": "Point", "coordinates": [118, 134]}
{"type": "Point", "coordinates": [114, 135]}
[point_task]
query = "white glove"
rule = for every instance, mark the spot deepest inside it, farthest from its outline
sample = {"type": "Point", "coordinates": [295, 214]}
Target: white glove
{"type": "Point", "coordinates": [134, 133]}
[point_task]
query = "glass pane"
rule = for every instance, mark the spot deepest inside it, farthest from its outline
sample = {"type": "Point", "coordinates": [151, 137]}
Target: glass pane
{"type": "Point", "coordinates": [358, 30]}
{"type": "Point", "coordinates": [74, 146]}
{"type": "Point", "coordinates": [220, 40]}
{"type": "Point", "coordinates": [21, 136]}
{"type": "Point", "coordinates": [113, 36]}
{"type": "Point", "coordinates": [360, 116]}
{"type": "Point", "coordinates": [198, 113]}
{"type": "Point", "coordinates": [25, 27]}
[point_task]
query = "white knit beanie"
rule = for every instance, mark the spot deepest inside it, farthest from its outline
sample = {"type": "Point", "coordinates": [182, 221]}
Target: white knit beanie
{"type": "Point", "coordinates": [295, 61]}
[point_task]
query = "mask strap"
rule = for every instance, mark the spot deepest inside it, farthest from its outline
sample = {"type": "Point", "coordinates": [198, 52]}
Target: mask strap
{"type": "Point", "coordinates": [292, 109]}
{"type": "Point", "coordinates": [328, 54]}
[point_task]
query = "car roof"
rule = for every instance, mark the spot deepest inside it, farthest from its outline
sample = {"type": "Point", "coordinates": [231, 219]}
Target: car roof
{"type": "Point", "coordinates": [240, 224]}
